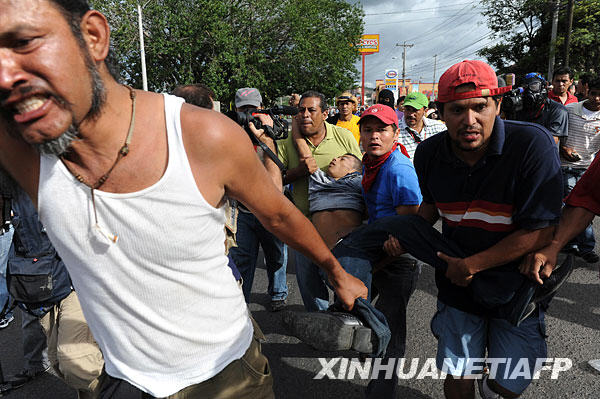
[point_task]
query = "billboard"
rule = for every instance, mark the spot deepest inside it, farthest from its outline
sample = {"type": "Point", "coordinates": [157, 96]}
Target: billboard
{"type": "Point", "coordinates": [368, 44]}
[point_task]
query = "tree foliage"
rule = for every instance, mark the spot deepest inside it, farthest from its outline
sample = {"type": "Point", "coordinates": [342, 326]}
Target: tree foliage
{"type": "Point", "coordinates": [278, 46]}
{"type": "Point", "coordinates": [524, 27]}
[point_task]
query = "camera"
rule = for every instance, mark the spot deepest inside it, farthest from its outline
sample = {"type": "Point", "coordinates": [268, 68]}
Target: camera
{"type": "Point", "coordinates": [279, 131]}
{"type": "Point", "coordinates": [528, 98]}
{"type": "Point", "coordinates": [512, 101]}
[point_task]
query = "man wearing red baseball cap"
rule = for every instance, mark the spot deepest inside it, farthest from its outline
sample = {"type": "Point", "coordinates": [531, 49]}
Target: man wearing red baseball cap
{"type": "Point", "coordinates": [390, 187]}
{"type": "Point", "coordinates": [497, 187]}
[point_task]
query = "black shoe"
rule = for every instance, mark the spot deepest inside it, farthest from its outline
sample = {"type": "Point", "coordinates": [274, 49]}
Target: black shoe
{"type": "Point", "coordinates": [22, 378]}
{"type": "Point", "coordinates": [590, 257]}
{"type": "Point", "coordinates": [277, 305]}
{"type": "Point", "coordinates": [329, 331]}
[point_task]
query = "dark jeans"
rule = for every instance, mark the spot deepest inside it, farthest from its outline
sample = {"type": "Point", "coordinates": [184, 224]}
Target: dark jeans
{"type": "Point", "coordinates": [250, 235]}
{"type": "Point", "coordinates": [394, 284]}
{"type": "Point", "coordinates": [492, 288]}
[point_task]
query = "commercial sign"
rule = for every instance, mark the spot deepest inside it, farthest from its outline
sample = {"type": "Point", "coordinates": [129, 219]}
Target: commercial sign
{"type": "Point", "coordinates": [391, 79]}
{"type": "Point", "coordinates": [368, 44]}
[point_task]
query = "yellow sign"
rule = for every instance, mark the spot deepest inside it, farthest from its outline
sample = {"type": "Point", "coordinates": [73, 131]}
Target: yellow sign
{"type": "Point", "coordinates": [368, 44]}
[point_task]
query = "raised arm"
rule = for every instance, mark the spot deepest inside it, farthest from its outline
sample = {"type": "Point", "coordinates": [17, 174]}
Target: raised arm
{"type": "Point", "coordinates": [224, 162]}
{"type": "Point", "coordinates": [307, 165]}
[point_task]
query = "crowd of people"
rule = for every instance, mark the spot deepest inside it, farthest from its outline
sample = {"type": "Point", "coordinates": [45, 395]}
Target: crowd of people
{"type": "Point", "coordinates": [132, 221]}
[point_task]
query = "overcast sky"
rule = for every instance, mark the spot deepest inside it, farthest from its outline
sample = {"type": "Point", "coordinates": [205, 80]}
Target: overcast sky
{"type": "Point", "coordinates": [452, 29]}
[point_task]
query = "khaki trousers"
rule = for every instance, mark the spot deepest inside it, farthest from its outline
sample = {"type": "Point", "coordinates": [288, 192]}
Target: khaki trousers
{"type": "Point", "coordinates": [246, 378]}
{"type": "Point", "coordinates": [72, 350]}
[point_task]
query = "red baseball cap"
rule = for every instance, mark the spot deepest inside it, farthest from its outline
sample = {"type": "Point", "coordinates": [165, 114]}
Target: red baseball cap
{"type": "Point", "coordinates": [469, 71]}
{"type": "Point", "coordinates": [384, 113]}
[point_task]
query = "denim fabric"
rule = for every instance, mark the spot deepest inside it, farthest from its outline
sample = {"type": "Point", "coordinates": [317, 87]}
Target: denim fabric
{"type": "Point", "coordinates": [251, 234]}
{"type": "Point", "coordinates": [394, 284]}
{"type": "Point", "coordinates": [5, 243]}
{"type": "Point", "coordinates": [585, 241]}
{"type": "Point", "coordinates": [311, 284]}
{"type": "Point", "coordinates": [376, 321]}
{"type": "Point", "coordinates": [462, 336]}
{"type": "Point", "coordinates": [35, 350]}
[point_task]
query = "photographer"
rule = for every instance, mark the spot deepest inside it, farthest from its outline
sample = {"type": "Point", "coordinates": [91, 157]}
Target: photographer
{"type": "Point", "coordinates": [250, 232]}
{"type": "Point", "coordinates": [531, 104]}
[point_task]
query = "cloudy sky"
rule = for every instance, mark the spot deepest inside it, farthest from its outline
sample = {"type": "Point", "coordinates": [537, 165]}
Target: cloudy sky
{"type": "Point", "coordinates": [452, 29]}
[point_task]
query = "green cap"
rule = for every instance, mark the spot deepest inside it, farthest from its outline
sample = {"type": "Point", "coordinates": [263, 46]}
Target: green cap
{"type": "Point", "coordinates": [416, 100]}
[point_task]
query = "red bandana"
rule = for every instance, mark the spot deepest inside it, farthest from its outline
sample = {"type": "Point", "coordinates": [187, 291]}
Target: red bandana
{"type": "Point", "coordinates": [372, 166]}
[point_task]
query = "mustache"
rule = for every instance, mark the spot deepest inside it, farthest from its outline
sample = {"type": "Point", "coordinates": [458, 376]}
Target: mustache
{"type": "Point", "coordinates": [22, 91]}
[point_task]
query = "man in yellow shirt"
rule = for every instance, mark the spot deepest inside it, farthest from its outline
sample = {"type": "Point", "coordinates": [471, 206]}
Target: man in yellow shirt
{"type": "Point", "coordinates": [346, 104]}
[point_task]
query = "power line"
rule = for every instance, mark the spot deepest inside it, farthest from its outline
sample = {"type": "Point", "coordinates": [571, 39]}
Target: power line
{"type": "Point", "coordinates": [414, 20]}
{"type": "Point", "coordinates": [442, 8]}
{"type": "Point", "coordinates": [435, 28]}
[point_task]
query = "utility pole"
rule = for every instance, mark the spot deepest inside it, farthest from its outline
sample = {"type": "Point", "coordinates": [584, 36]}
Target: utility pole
{"type": "Point", "coordinates": [569, 28]}
{"type": "Point", "coordinates": [142, 48]}
{"type": "Point", "coordinates": [404, 64]}
{"type": "Point", "coordinates": [554, 4]}
{"type": "Point", "coordinates": [434, 68]}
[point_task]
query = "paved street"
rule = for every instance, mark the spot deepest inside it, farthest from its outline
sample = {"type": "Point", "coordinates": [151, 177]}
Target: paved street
{"type": "Point", "coordinates": [573, 323]}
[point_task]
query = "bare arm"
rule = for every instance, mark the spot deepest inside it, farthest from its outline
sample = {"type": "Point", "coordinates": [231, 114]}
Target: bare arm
{"type": "Point", "coordinates": [300, 143]}
{"type": "Point", "coordinates": [224, 162]}
{"type": "Point", "coordinates": [512, 247]}
{"type": "Point", "coordinates": [429, 212]}
{"type": "Point", "coordinates": [541, 263]}
{"type": "Point", "coordinates": [307, 165]}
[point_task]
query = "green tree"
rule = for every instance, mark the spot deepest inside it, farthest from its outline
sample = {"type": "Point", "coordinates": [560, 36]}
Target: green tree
{"type": "Point", "coordinates": [524, 27]}
{"type": "Point", "coordinates": [278, 46]}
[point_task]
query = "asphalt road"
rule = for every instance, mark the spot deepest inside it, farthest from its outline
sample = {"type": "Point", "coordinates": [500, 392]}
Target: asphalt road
{"type": "Point", "coordinates": [573, 327]}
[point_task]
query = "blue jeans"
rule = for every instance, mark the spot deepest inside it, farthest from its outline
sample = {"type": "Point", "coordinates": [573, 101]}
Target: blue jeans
{"type": "Point", "coordinates": [312, 280]}
{"type": "Point", "coordinates": [5, 243]}
{"type": "Point", "coordinates": [585, 241]}
{"type": "Point", "coordinates": [251, 234]}
{"type": "Point", "coordinates": [311, 284]}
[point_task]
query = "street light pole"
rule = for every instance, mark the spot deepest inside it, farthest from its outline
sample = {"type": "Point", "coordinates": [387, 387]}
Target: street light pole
{"type": "Point", "coordinates": [142, 48]}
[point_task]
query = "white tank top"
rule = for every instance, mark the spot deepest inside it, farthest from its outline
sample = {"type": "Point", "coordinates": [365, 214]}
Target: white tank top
{"type": "Point", "coordinates": [161, 301]}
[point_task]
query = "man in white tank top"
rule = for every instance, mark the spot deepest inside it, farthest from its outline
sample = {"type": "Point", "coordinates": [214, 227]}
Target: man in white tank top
{"type": "Point", "coordinates": [129, 185]}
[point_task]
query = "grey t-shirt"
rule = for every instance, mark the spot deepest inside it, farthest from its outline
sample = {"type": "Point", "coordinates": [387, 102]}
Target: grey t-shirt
{"type": "Point", "coordinates": [326, 193]}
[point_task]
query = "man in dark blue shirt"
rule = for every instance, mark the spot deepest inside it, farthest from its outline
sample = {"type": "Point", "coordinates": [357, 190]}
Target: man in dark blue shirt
{"type": "Point", "coordinates": [497, 187]}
